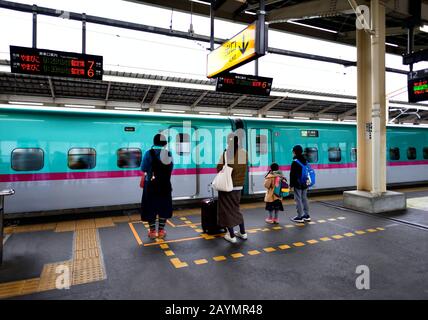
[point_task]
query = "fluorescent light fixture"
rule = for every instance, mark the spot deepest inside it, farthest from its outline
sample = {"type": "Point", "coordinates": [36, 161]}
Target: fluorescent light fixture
{"type": "Point", "coordinates": [78, 106]}
{"type": "Point", "coordinates": [26, 103]}
{"type": "Point", "coordinates": [250, 12]}
{"type": "Point", "coordinates": [209, 113]}
{"type": "Point", "coordinates": [424, 28]}
{"type": "Point", "coordinates": [201, 2]}
{"type": "Point", "coordinates": [127, 109]}
{"type": "Point", "coordinates": [242, 114]}
{"type": "Point", "coordinates": [392, 44]}
{"type": "Point", "coordinates": [326, 119]}
{"type": "Point", "coordinates": [408, 106]}
{"type": "Point", "coordinates": [272, 116]}
{"type": "Point", "coordinates": [313, 27]}
{"type": "Point", "coordinates": [173, 111]}
{"type": "Point", "coordinates": [312, 97]}
{"type": "Point", "coordinates": [301, 118]}
{"type": "Point", "coordinates": [348, 120]}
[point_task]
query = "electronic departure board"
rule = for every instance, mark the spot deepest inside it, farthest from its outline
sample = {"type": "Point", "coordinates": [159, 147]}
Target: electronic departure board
{"type": "Point", "coordinates": [418, 86]}
{"type": "Point", "coordinates": [55, 63]}
{"type": "Point", "coordinates": [245, 84]}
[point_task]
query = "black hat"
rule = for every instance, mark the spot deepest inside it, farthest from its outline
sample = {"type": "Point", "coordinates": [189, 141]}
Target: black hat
{"type": "Point", "coordinates": [298, 149]}
{"type": "Point", "coordinates": [159, 140]}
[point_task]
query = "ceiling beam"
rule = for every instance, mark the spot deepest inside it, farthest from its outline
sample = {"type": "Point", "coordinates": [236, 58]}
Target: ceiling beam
{"type": "Point", "coordinates": [145, 96]}
{"type": "Point", "coordinates": [300, 107]}
{"type": "Point", "coordinates": [270, 105]}
{"type": "Point", "coordinates": [157, 96]}
{"type": "Point", "coordinates": [348, 113]}
{"type": "Point", "coordinates": [236, 102]}
{"type": "Point", "coordinates": [199, 99]}
{"type": "Point", "coordinates": [51, 88]}
{"type": "Point", "coordinates": [331, 107]}
{"type": "Point", "coordinates": [108, 91]}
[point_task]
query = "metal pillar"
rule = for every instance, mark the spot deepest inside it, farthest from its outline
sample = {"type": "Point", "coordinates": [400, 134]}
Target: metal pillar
{"type": "Point", "coordinates": [34, 26]}
{"type": "Point", "coordinates": [212, 14]}
{"type": "Point", "coordinates": [411, 43]}
{"type": "Point", "coordinates": [260, 24]}
{"type": "Point", "coordinates": [364, 94]}
{"type": "Point", "coordinates": [84, 33]}
{"type": "Point", "coordinates": [3, 193]}
{"type": "Point", "coordinates": [378, 98]}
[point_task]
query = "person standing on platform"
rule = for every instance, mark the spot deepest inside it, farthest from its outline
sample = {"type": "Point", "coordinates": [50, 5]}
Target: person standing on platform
{"type": "Point", "coordinates": [229, 214]}
{"type": "Point", "coordinates": [156, 201]}
{"type": "Point", "coordinates": [300, 189]}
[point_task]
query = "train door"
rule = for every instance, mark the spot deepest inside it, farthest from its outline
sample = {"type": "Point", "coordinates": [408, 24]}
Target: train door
{"type": "Point", "coordinates": [185, 180]}
{"type": "Point", "coordinates": [260, 149]}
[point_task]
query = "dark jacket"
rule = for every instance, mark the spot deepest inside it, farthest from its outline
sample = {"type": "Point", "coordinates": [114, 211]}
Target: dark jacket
{"type": "Point", "coordinates": [296, 173]}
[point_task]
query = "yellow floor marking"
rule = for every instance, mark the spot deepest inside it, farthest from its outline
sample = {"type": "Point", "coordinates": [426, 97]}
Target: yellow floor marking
{"type": "Point", "coordinates": [178, 264]}
{"type": "Point", "coordinates": [170, 223]}
{"type": "Point", "coordinates": [289, 226]}
{"type": "Point", "coordinates": [380, 229]}
{"type": "Point", "coordinates": [219, 258]}
{"type": "Point", "coordinates": [172, 241]}
{"type": "Point", "coordinates": [298, 244]}
{"type": "Point", "coordinates": [277, 228]}
{"type": "Point", "coordinates": [321, 221]}
{"type": "Point", "coordinates": [360, 232]}
{"type": "Point", "coordinates": [253, 252]}
{"type": "Point", "coordinates": [300, 224]}
{"type": "Point", "coordinates": [237, 255]}
{"type": "Point", "coordinates": [200, 261]}
{"type": "Point", "coordinates": [136, 236]}
{"type": "Point", "coordinates": [312, 241]}
{"type": "Point", "coordinates": [337, 237]}
{"type": "Point", "coordinates": [325, 239]}
{"type": "Point", "coordinates": [251, 231]}
{"type": "Point", "coordinates": [284, 246]}
{"type": "Point", "coordinates": [183, 218]}
{"type": "Point", "coordinates": [371, 230]}
{"type": "Point", "coordinates": [269, 249]}
{"type": "Point", "coordinates": [199, 230]}
{"type": "Point", "coordinates": [207, 236]}
{"type": "Point", "coordinates": [164, 246]}
{"type": "Point", "coordinates": [193, 226]}
{"type": "Point", "coordinates": [169, 253]}
{"type": "Point", "coordinates": [266, 229]}
{"type": "Point", "coordinates": [19, 288]}
{"type": "Point", "coordinates": [188, 222]}
{"type": "Point", "coordinates": [312, 222]}
{"type": "Point", "coordinates": [104, 223]}
{"type": "Point", "coordinates": [341, 218]}
{"type": "Point", "coordinates": [332, 219]}
{"type": "Point", "coordinates": [349, 234]}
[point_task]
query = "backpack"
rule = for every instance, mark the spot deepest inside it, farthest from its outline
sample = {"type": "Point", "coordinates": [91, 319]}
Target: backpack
{"type": "Point", "coordinates": [281, 188]}
{"type": "Point", "coordinates": [308, 174]}
{"type": "Point", "coordinates": [160, 184]}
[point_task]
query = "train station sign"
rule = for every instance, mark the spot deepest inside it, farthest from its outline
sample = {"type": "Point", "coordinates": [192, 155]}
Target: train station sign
{"type": "Point", "coordinates": [418, 86]}
{"type": "Point", "coordinates": [244, 84]}
{"type": "Point", "coordinates": [246, 46]}
{"type": "Point", "coordinates": [55, 63]}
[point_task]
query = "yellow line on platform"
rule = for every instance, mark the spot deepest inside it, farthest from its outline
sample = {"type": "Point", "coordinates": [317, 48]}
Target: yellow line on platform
{"type": "Point", "coordinates": [171, 241]}
{"type": "Point", "coordinates": [134, 232]}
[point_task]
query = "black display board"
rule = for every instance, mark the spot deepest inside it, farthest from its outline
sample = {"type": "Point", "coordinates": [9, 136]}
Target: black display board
{"type": "Point", "coordinates": [244, 84]}
{"type": "Point", "coordinates": [55, 63]}
{"type": "Point", "coordinates": [418, 86]}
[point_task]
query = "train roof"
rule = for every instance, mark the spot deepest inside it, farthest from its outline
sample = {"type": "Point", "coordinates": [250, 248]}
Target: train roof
{"type": "Point", "coordinates": [139, 114]}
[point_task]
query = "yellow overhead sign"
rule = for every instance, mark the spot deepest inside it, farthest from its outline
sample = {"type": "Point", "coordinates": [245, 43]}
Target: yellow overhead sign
{"type": "Point", "coordinates": [234, 52]}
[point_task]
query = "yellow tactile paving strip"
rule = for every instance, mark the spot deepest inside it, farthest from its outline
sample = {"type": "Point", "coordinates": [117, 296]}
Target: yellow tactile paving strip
{"type": "Point", "coordinates": [86, 265]}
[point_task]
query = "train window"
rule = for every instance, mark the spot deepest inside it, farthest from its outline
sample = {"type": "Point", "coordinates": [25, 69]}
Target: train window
{"type": "Point", "coordinates": [27, 159]}
{"type": "Point", "coordinates": [183, 143]}
{"type": "Point", "coordinates": [334, 155]}
{"type": "Point", "coordinates": [426, 153]}
{"type": "Point", "coordinates": [311, 155]}
{"type": "Point", "coordinates": [81, 158]}
{"type": "Point", "coordinates": [128, 158]}
{"type": "Point", "coordinates": [394, 153]}
{"type": "Point", "coordinates": [411, 153]}
{"type": "Point", "coordinates": [354, 154]}
{"type": "Point", "coordinates": [261, 144]}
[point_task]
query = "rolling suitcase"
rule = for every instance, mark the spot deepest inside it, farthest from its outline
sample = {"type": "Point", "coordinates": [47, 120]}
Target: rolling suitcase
{"type": "Point", "coordinates": [209, 217]}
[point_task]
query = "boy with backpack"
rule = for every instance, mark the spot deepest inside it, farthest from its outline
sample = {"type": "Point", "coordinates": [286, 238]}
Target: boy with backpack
{"type": "Point", "coordinates": [276, 188]}
{"type": "Point", "coordinates": [301, 178]}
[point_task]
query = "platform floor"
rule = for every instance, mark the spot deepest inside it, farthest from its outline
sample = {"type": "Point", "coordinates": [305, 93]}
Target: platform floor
{"type": "Point", "coordinates": [112, 258]}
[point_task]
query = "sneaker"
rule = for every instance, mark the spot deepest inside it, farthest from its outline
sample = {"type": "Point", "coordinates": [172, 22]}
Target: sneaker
{"type": "Point", "coordinates": [298, 220]}
{"type": "Point", "coordinates": [243, 236]}
{"type": "Point", "coordinates": [275, 221]}
{"type": "Point", "coordinates": [152, 234]}
{"type": "Point", "coordinates": [306, 218]}
{"type": "Point", "coordinates": [161, 234]}
{"type": "Point", "coordinates": [269, 220]}
{"type": "Point", "coordinates": [227, 237]}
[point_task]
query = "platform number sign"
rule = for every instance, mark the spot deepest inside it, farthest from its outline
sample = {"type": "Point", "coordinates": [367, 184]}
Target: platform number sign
{"type": "Point", "coordinates": [418, 86]}
{"type": "Point", "coordinates": [55, 63]}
